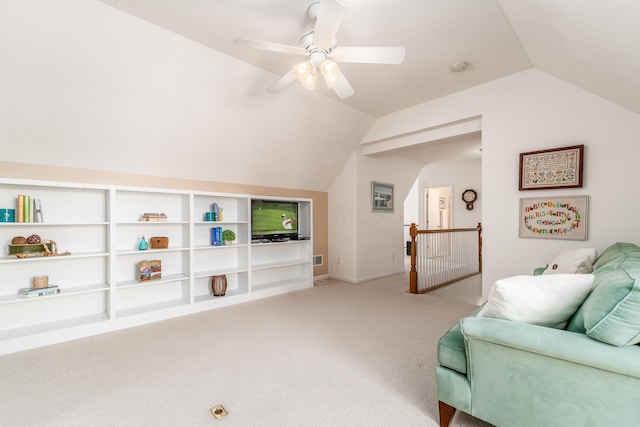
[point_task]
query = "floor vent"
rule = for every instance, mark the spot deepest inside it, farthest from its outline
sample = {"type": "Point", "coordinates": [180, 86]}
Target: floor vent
{"type": "Point", "coordinates": [318, 260]}
{"type": "Point", "coordinates": [219, 411]}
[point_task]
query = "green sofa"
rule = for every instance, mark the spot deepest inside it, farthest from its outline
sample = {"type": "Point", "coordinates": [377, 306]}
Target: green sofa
{"type": "Point", "coordinates": [510, 373]}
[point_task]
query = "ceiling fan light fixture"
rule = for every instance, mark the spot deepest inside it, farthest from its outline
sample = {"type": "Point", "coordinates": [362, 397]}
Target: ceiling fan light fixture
{"type": "Point", "coordinates": [330, 72]}
{"type": "Point", "coordinates": [306, 73]}
{"type": "Point", "coordinates": [302, 69]}
{"type": "Point", "coordinates": [310, 81]}
{"type": "Point", "coordinates": [323, 52]}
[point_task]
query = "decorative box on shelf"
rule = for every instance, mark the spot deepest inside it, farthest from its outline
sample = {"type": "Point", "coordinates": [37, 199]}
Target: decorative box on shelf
{"type": "Point", "coordinates": [159, 242]}
{"type": "Point", "coordinates": [34, 249]}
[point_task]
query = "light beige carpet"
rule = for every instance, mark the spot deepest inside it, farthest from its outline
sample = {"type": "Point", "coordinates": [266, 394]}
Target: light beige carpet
{"type": "Point", "coordinates": [338, 354]}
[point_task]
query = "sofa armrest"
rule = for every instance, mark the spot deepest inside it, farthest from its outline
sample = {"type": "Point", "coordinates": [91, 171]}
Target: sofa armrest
{"type": "Point", "coordinates": [560, 344]}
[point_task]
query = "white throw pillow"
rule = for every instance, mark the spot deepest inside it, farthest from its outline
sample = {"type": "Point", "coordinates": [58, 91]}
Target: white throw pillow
{"type": "Point", "coordinates": [539, 300]}
{"type": "Point", "coordinates": [578, 261]}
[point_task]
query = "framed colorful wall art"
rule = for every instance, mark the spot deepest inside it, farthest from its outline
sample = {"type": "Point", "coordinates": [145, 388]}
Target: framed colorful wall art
{"type": "Point", "coordinates": [554, 217]}
{"type": "Point", "coordinates": [554, 168]}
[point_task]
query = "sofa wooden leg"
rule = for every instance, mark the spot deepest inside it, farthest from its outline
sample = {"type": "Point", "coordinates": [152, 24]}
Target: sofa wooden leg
{"type": "Point", "coordinates": [446, 413]}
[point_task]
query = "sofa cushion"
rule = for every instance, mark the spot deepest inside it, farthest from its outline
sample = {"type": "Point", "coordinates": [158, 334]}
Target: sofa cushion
{"type": "Point", "coordinates": [451, 351]}
{"type": "Point", "coordinates": [547, 300]}
{"type": "Point", "coordinates": [611, 314]}
{"type": "Point", "coordinates": [612, 311]}
{"type": "Point", "coordinates": [572, 261]}
{"type": "Point", "coordinates": [614, 255]}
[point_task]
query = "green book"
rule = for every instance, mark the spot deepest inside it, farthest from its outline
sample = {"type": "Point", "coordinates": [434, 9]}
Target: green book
{"type": "Point", "coordinates": [27, 208]}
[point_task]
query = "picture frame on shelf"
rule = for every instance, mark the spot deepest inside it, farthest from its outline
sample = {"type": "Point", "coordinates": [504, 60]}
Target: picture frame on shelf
{"type": "Point", "coordinates": [552, 168]}
{"type": "Point", "coordinates": [381, 197]}
{"type": "Point", "coordinates": [563, 218]}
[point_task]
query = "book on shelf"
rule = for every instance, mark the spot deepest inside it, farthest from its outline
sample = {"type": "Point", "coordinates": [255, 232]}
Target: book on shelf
{"type": "Point", "coordinates": [20, 216]}
{"type": "Point", "coordinates": [150, 270]}
{"type": "Point", "coordinates": [216, 236]}
{"type": "Point", "coordinates": [217, 212]}
{"type": "Point", "coordinates": [29, 209]}
{"type": "Point", "coordinates": [37, 208]}
{"type": "Point", "coordinates": [39, 292]}
{"type": "Point", "coordinates": [153, 216]}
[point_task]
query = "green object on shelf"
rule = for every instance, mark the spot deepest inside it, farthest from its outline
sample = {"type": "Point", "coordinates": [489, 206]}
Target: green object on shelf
{"type": "Point", "coordinates": [29, 249]}
{"type": "Point", "coordinates": [228, 235]}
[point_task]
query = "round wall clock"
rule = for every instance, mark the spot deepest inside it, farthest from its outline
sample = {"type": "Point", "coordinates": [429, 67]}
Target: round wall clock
{"type": "Point", "coordinates": [469, 196]}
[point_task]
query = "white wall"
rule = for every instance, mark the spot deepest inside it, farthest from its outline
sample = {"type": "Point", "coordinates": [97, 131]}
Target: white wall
{"type": "Point", "coordinates": [460, 175]}
{"type": "Point", "coordinates": [343, 222]}
{"type": "Point", "coordinates": [86, 85]}
{"type": "Point", "coordinates": [528, 111]}
{"type": "Point", "coordinates": [378, 242]}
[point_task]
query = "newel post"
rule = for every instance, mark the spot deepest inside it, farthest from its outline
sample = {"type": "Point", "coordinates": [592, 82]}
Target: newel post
{"type": "Point", "coordinates": [413, 274]}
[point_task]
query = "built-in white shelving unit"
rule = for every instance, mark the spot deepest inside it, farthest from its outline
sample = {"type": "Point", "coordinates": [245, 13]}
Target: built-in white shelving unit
{"type": "Point", "coordinates": [101, 226]}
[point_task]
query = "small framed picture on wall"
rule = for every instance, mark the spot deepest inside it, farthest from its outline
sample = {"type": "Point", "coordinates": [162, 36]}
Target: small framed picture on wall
{"type": "Point", "coordinates": [381, 197]}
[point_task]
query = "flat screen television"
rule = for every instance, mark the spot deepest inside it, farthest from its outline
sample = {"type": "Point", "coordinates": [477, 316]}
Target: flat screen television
{"type": "Point", "coordinates": [274, 220]}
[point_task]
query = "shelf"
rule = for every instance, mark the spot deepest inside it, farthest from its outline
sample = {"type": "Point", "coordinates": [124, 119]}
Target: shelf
{"type": "Point", "coordinates": [293, 283]}
{"type": "Point", "coordinates": [143, 309]}
{"type": "Point", "coordinates": [219, 247]}
{"type": "Point", "coordinates": [64, 292]}
{"type": "Point", "coordinates": [14, 259]}
{"type": "Point", "coordinates": [286, 242]}
{"type": "Point", "coordinates": [151, 222]}
{"type": "Point", "coordinates": [209, 297]}
{"type": "Point", "coordinates": [218, 272]}
{"type": "Point", "coordinates": [50, 224]}
{"type": "Point", "coordinates": [164, 279]}
{"type": "Point", "coordinates": [279, 264]}
{"type": "Point", "coordinates": [224, 221]}
{"type": "Point", "coordinates": [53, 326]}
{"type": "Point", "coordinates": [139, 252]}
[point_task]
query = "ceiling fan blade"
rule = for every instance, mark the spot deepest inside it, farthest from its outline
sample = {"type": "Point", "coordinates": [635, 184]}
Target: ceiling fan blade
{"type": "Point", "coordinates": [369, 55]}
{"type": "Point", "coordinates": [330, 16]}
{"type": "Point", "coordinates": [274, 47]}
{"type": "Point", "coordinates": [284, 81]}
{"type": "Point", "coordinates": [342, 87]}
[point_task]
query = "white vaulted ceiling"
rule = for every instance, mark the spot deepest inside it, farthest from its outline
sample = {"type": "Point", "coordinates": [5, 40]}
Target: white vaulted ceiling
{"type": "Point", "coordinates": [590, 43]}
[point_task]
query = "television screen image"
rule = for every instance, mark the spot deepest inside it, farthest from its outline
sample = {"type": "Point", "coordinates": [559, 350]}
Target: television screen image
{"type": "Point", "coordinates": [274, 220]}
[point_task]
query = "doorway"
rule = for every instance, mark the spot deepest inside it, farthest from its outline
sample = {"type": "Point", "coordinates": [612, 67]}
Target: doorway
{"type": "Point", "coordinates": [437, 208]}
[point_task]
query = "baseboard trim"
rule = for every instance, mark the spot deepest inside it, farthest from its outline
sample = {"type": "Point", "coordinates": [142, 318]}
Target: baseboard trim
{"type": "Point", "coordinates": [366, 279]}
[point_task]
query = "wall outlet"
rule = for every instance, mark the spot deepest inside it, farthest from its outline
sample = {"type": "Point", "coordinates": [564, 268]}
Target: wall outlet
{"type": "Point", "coordinates": [338, 260]}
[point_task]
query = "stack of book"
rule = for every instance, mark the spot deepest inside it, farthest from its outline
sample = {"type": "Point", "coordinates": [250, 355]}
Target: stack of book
{"type": "Point", "coordinates": [216, 236]}
{"type": "Point", "coordinates": [158, 217]}
{"type": "Point", "coordinates": [217, 212]}
{"type": "Point", "coordinates": [29, 209]}
{"type": "Point", "coordinates": [39, 292]}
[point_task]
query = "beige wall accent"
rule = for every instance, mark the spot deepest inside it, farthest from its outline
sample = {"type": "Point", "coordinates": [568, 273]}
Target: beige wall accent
{"type": "Point", "coordinates": [90, 176]}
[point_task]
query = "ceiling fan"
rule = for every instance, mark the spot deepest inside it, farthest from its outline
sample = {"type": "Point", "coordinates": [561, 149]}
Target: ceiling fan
{"type": "Point", "coordinates": [322, 51]}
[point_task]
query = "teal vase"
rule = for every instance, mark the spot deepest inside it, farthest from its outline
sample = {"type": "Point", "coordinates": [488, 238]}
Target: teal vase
{"type": "Point", "coordinates": [143, 245]}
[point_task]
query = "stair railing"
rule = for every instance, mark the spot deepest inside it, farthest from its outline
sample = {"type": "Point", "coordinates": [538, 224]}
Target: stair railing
{"type": "Point", "coordinates": [442, 257]}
